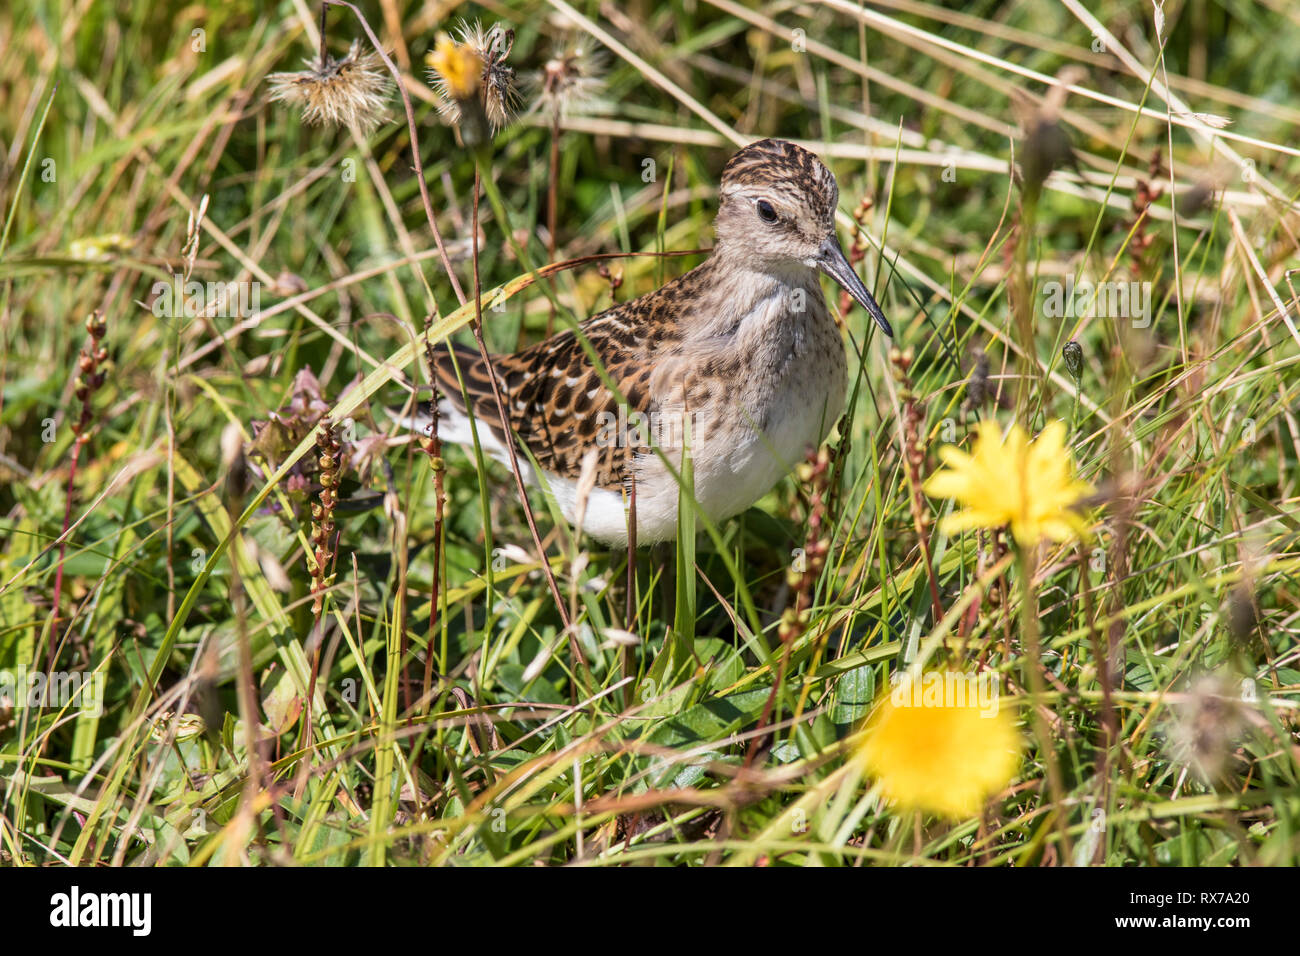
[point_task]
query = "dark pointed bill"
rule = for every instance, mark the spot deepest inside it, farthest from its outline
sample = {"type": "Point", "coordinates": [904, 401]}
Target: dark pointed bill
{"type": "Point", "coordinates": [832, 262]}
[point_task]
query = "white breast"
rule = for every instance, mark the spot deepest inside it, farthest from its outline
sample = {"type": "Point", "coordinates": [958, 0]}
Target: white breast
{"type": "Point", "coordinates": [791, 393]}
{"type": "Point", "coordinates": [799, 407]}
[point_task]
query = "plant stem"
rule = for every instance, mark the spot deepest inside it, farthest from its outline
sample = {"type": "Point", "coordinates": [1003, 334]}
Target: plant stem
{"type": "Point", "coordinates": [507, 433]}
{"type": "Point", "coordinates": [629, 614]}
{"type": "Point", "coordinates": [1029, 627]}
{"type": "Point", "coordinates": [415, 145]}
{"type": "Point", "coordinates": [324, 8]}
{"type": "Point", "coordinates": [434, 449]}
{"type": "Point", "coordinates": [552, 216]}
{"type": "Point", "coordinates": [1110, 726]}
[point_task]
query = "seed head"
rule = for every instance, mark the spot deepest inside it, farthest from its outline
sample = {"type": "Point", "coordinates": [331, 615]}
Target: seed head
{"type": "Point", "coordinates": [1072, 352]}
{"type": "Point", "coordinates": [570, 82]}
{"type": "Point", "coordinates": [352, 91]}
{"type": "Point", "coordinates": [977, 386]}
{"type": "Point", "coordinates": [1207, 721]}
{"type": "Point", "coordinates": [1046, 144]}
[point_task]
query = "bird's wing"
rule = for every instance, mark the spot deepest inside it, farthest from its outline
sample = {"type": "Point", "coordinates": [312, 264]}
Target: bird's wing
{"type": "Point", "coordinates": [558, 405]}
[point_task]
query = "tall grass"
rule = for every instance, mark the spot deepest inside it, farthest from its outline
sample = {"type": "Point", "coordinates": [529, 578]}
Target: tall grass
{"type": "Point", "coordinates": [669, 723]}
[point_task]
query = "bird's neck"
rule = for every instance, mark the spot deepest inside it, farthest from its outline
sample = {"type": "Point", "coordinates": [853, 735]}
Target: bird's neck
{"type": "Point", "coordinates": [737, 297]}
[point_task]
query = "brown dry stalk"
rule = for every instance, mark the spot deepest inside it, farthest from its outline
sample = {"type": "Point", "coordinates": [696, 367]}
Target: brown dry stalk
{"type": "Point", "coordinates": [802, 578]}
{"type": "Point", "coordinates": [476, 326]}
{"type": "Point", "coordinates": [912, 423]}
{"type": "Point", "coordinates": [90, 376]}
{"type": "Point", "coordinates": [432, 445]}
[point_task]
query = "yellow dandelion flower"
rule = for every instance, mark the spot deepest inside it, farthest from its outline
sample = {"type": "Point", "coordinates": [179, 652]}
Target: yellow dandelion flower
{"type": "Point", "coordinates": [471, 75]}
{"type": "Point", "coordinates": [1027, 485]}
{"type": "Point", "coordinates": [455, 68]}
{"type": "Point", "coordinates": [944, 756]}
{"type": "Point", "coordinates": [100, 248]}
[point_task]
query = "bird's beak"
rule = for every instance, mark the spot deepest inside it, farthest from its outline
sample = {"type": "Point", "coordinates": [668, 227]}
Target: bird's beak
{"type": "Point", "coordinates": [830, 259]}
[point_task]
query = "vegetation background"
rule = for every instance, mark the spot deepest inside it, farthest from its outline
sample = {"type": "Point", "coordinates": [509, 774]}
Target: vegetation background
{"type": "Point", "coordinates": [168, 551]}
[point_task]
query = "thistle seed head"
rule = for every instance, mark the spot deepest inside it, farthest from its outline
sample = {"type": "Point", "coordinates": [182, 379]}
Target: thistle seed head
{"type": "Point", "coordinates": [569, 83]}
{"type": "Point", "coordinates": [352, 91]}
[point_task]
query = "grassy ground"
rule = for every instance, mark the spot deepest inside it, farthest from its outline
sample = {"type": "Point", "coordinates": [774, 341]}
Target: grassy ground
{"type": "Point", "coordinates": [168, 553]}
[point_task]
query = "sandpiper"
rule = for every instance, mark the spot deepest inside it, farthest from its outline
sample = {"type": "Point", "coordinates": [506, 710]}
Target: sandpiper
{"type": "Point", "coordinates": [737, 361]}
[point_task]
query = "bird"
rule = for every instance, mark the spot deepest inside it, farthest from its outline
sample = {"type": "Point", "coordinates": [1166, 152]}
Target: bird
{"type": "Point", "coordinates": [736, 363]}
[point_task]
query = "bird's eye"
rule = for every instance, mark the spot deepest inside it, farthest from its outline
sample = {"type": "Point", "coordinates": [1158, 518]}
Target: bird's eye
{"type": "Point", "coordinates": [765, 211]}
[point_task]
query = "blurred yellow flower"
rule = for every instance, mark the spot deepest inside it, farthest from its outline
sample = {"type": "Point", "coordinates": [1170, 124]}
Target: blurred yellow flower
{"type": "Point", "coordinates": [477, 87]}
{"type": "Point", "coordinates": [1027, 485]}
{"type": "Point", "coordinates": [100, 248]}
{"type": "Point", "coordinates": [944, 756]}
{"type": "Point", "coordinates": [455, 68]}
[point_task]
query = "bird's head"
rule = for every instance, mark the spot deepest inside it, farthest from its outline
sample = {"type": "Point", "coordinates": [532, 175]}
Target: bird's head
{"type": "Point", "coordinates": [777, 206]}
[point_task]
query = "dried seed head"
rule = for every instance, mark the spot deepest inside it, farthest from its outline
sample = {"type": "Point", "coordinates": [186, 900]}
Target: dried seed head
{"type": "Point", "coordinates": [570, 82]}
{"type": "Point", "coordinates": [1242, 616]}
{"type": "Point", "coordinates": [1046, 145]}
{"type": "Point", "coordinates": [977, 386]}
{"type": "Point", "coordinates": [1200, 198]}
{"type": "Point", "coordinates": [352, 91]}
{"type": "Point", "coordinates": [1207, 720]}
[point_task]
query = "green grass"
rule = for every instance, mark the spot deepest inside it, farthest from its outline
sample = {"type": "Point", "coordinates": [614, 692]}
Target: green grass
{"type": "Point", "coordinates": [185, 577]}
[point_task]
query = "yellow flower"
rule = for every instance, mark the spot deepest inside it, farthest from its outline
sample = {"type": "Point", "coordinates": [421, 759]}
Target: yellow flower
{"type": "Point", "coordinates": [1030, 486]}
{"type": "Point", "coordinates": [472, 78]}
{"type": "Point", "coordinates": [455, 67]}
{"type": "Point", "coordinates": [943, 754]}
{"type": "Point", "coordinates": [100, 248]}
